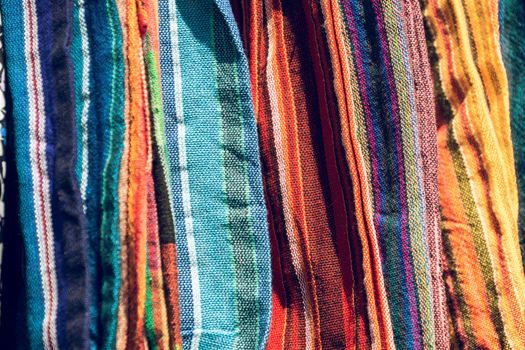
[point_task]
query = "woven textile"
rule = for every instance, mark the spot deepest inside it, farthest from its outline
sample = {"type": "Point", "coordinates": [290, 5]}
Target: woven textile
{"type": "Point", "coordinates": [215, 183]}
{"type": "Point", "coordinates": [385, 102]}
{"type": "Point", "coordinates": [348, 135]}
{"type": "Point", "coordinates": [513, 49]}
{"type": "Point", "coordinates": [312, 294]}
{"type": "Point", "coordinates": [262, 174]}
{"type": "Point", "coordinates": [50, 207]}
{"type": "Point", "coordinates": [477, 184]}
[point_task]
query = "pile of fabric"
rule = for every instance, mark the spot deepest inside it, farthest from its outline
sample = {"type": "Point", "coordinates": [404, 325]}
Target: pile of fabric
{"type": "Point", "coordinates": [262, 174]}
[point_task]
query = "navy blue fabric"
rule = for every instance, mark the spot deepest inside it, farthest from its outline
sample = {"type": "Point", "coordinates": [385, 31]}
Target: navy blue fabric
{"type": "Point", "coordinates": [54, 18]}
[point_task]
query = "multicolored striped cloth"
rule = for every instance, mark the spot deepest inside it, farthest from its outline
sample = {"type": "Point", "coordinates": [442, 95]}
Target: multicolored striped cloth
{"type": "Point", "coordinates": [348, 135]}
{"type": "Point", "coordinates": [244, 174]}
{"type": "Point", "coordinates": [477, 182]}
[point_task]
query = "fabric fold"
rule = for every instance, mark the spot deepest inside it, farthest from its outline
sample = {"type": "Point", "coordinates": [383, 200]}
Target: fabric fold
{"type": "Point", "coordinates": [221, 235]}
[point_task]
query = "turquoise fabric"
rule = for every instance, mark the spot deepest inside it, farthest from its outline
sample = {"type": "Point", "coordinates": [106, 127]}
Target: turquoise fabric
{"type": "Point", "coordinates": [202, 123]}
{"type": "Point", "coordinates": [14, 41]}
{"type": "Point", "coordinates": [219, 209]}
{"type": "Point", "coordinates": [513, 49]}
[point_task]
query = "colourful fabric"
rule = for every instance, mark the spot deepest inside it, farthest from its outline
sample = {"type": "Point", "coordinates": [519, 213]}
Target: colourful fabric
{"type": "Point", "coordinates": [221, 235]}
{"type": "Point", "coordinates": [301, 164]}
{"type": "Point", "coordinates": [354, 123]}
{"type": "Point", "coordinates": [477, 184]}
{"type": "Point", "coordinates": [384, 105]}
{"type": "Point", "coordinates": [275, 174]}
{"type": "Point", "coordinates": [51, 217]}
{"type": "Point", "coordinates": [426, 118]}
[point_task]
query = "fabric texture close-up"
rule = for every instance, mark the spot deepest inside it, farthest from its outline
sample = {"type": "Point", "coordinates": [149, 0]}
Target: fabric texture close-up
{"type": "Point", "coordinates": [262, 174]}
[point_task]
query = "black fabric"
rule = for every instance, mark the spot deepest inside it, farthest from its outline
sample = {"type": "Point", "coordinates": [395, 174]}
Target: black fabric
{"type": "Point", "coordinates": [71, 233]}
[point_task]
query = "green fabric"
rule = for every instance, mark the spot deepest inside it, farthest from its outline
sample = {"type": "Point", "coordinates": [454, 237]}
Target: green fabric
{"type": "Point", "coordinates": [149, 321]}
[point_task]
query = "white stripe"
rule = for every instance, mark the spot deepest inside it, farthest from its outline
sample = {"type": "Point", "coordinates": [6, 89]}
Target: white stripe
{"type": "Point", "coordinates": [50, 301]}
{"type": "Point", "coordinates": [86, 98]}
{"type": "Point", "coordinates": [297, 256]}
{"type": "Point", "coordinates": [183, 165]}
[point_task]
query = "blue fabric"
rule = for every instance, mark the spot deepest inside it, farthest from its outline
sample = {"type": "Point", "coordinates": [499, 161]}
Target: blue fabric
{"type": "Point", "coordinates": [260, 223]}
{"type": "Point", "coordinates": [17, 77]}
{"type": "Point", "coordinates": [513, 50]}
{"type": "Point", "coordinates": [68, 216]}
{"type": "Point", "coordinates": [207, 30]}
{"type": "Point", "coordinates": [200, 101]}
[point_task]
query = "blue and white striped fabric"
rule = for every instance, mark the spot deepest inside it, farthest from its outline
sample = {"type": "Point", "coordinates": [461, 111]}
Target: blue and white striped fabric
{"type": "Point", "coordinates": [216, 181]}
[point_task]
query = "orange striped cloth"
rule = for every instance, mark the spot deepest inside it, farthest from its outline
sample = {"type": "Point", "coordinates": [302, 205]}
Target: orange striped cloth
{"type": "Point", "coordinates": [378, 172]}
{"type": "Point", "coordinates": [329, 278]}
{"type": "Point", "coordinates": [477, 182]}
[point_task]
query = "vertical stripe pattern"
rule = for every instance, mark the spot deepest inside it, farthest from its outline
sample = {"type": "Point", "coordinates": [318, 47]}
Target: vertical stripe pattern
{"type": "Point", "coordinates": [477, 182]}
{"type": "Point", "coordinates": [262, 174]}
{"type": "Point", "coordinates": [221, 232]}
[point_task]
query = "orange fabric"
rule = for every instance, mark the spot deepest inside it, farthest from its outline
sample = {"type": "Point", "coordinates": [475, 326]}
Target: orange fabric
{"type": "Point", "coordinates": [139, 168]}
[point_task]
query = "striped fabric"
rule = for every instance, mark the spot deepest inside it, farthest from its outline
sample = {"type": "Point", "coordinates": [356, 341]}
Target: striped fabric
{"type": "Point", "coordinates": [215, 183]}
{"type": "Point", "coordinates": [310, 239]}
{"type": "Point", "coordinates": [51, 217]}
{"type": "Point", "coordinates": [348, 135]}
{"type": "Point", "coordinates": [384, 105]}
{"type": "Point", "coordinates": [477, 184]}
{"type": "Point", "coordinates": [263, 174]}
{"type": "Point", "coordinates": [426, 117]}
